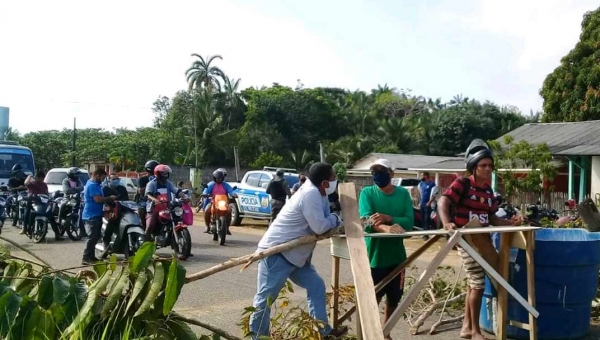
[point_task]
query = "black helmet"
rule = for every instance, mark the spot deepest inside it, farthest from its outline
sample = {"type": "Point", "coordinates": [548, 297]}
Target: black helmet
{"type": "Point", "coordinates": [498, 197]}
{"type": "Point", "coordinates": [223, 171]}
{"type": "Point", "coordinates": [17, 169]}
{"type": "Point", "coordinates": [218, 174]}
{"type": "Point", "coordinates": [73, 173]}
{"type": "Point", "coordinates": [477, 150]}
{"type": "Point", "coordinates": [150, 165]}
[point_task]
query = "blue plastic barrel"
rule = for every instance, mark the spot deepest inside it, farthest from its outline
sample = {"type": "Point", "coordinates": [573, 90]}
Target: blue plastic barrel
{"type": "Point", "coordinates": [566, 280]}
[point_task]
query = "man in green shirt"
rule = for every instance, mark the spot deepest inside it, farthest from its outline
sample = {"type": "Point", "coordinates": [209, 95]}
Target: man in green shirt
{"type": "Point", "coordinates": [387, 209]}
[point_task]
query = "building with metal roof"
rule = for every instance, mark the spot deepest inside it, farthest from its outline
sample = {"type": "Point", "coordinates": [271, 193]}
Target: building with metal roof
{"type": "Point", "coordinates": [577, 143]}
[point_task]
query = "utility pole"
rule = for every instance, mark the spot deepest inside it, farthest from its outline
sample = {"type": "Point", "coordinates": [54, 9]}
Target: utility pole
{"type": "Point", "coordinates": [73, 138]}
{"type": "Point", "coordinates": [237, 163]}
{"type": "Point", "coordinates": [321, 152]}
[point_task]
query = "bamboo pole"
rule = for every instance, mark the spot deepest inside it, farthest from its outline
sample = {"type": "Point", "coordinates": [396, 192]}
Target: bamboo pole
{"type": "Point", "coordinates": [251, 258]}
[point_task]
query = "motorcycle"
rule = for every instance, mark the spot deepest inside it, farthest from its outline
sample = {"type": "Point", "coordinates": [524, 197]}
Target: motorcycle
{"type": "Point", "coordinates": [539, 217]}
{"type": "Point", "coordinates": [219, 209]}
{"type": "Point", "coordinates": [128, 235]}
{"type": "Point", "coordinates": [68, 216]}
{"type": "Point", "coordinates": [12, 208]}
{"type": "Point", "coordinates": [507, 211]}
{"type": "Point", "coordinates": [39, 217]}
{"type": "Point", "coordinates": [22, 206]}
{"type": "Point", "coordinates": [3, 197]}
{"type": "Point", "coordinates": [171, 231]}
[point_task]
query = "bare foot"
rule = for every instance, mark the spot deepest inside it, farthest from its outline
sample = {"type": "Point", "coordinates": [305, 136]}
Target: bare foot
{"type": "Point", "coordinates": [465, 333]}
{"type": "Point", "coordinates": [477, 336]}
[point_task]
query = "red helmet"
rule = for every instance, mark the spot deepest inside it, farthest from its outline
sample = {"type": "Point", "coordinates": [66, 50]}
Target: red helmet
{"type": "Point", "coordinates": [162, 170]}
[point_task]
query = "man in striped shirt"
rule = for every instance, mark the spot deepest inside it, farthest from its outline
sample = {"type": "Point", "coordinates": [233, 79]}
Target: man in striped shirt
{"type": "Point", "coordinates": [473, 198]}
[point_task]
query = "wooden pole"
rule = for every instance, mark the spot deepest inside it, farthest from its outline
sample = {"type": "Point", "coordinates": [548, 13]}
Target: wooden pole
{"type": "Point", "coordinates": [359, 262]}
{"type": "Point", "coordinates": [529, 255]}
{"type": "Point", "coordinates": [251, 258]}
{"type": "Point", "coordinates": [335, 286]}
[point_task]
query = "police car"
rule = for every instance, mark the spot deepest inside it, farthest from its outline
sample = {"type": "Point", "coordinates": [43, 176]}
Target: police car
{"type": "Point", "coordinates": [252, 200]}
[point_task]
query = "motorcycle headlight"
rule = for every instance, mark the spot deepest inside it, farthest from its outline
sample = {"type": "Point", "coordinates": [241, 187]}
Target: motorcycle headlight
{"type": "Point", "coordinates": [73, 202]}
{"type": "Point", "coordinates": [44, 200]}
{"type": "Point", "coordinates": [178, 211]}
{"type": "Point", "coordinates": [222, 204]}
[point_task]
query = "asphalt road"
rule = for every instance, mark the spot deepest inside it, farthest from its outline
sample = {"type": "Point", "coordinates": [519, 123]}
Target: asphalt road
{"type": "Point", "coordinates": [220, 299]}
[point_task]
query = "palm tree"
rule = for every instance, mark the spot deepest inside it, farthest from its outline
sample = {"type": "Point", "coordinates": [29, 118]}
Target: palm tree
{"type": "Point", "coordinates": [203, 73]}
{"type": "Point", "coordinates": [231, 95]}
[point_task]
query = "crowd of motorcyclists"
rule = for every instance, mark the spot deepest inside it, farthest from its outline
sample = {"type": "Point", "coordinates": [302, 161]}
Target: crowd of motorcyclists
{"type": "Point", "coordinates": [102, 211]}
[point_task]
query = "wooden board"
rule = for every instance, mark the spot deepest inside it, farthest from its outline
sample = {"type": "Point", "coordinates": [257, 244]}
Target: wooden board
{"type": "Point", "coordinates": [442, 232]}
{"type": "Point", "coordinates": [494, 274]}
{"type": "Point", "coordinates": [359, 262]}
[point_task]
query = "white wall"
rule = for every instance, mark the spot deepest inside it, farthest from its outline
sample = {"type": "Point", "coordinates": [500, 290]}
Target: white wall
{"type": "Point", "coordinates": [595, 177]}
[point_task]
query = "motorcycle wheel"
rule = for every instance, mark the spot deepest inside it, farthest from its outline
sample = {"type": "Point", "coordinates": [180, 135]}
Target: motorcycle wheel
{"type": "Point", "coordinates": [215, 232]}
{"type": "Point", "coordinates": [14, 215]}
{"type": "Point", "coordinates": [183, 247]}
{"type": "Point", "coordinates": [134, 241]}
{"type": "Point", "coordinates": [40, 229]}
{"type": "Point", "coordinates": [223, 230]}
{"type": "Point", "coordinates": [72, 229]}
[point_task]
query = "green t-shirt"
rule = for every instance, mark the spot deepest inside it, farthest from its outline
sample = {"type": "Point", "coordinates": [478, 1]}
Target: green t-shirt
{"type": "Point", "coordinates": [386, 252]}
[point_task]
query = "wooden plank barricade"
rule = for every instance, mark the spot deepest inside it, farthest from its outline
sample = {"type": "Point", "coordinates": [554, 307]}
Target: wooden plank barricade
{"type": "Point", "coordinates": [369, 322]}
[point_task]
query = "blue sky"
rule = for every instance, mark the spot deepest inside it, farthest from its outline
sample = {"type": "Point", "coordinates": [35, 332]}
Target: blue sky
{"type": "Point", "coordinates": [106, 62]}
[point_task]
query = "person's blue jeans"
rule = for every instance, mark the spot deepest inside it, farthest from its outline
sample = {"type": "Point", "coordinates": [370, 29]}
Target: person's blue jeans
{"type": "Point", "coordinates": [273, 272]}
{"type": "Point", "coordinates": [425, 217]}
{"type": "Point", "coordinates": [93, 227]}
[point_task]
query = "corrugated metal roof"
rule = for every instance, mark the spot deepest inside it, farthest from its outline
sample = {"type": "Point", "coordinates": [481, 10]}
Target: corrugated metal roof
{"type": "Point", "coordinates": [567, 139]}
{"type": "Point", "coordinates": [402, 161]}
{"type": "Point", "coordinates": [449, 164]}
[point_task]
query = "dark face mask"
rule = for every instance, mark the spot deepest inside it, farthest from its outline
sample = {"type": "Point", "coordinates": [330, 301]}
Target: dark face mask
{"type": "Point", "coordinates": [382, 178]}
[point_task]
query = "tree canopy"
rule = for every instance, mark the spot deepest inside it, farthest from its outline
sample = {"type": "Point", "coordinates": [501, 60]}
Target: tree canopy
{"type": "Point", "coordinates": [279, 126]}
{"type": "Point", "coordinates": [572, 91]}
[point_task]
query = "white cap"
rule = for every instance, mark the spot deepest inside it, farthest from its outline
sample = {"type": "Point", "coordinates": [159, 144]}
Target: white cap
{"type": "Point", "coordinates": [384, 163]}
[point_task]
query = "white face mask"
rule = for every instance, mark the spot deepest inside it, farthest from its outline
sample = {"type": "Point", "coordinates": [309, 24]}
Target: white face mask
{"type": "Point", "coordinates": [331, 189]}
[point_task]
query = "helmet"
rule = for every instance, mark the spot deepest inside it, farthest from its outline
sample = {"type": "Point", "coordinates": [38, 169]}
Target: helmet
{"type": "Point", "coordinates": [17, 169]}
{"type": "Point", "coordinates": [73, 173]}
{"type": "Point", "coordinates": [218, 174]}
{"type": "Point", "coordinates": [477, 150]}
{"type": "Point", "coordinates": [150, 165]}
{"type": "Point", "coordinates": [499, 198]}
{"type": "Point", "coordinates": [223, 171]}
{"type": "Point", "coordinates": [162, 171]}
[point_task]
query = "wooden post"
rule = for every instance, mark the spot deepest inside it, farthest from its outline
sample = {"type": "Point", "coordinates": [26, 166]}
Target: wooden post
{"type": "Point", "coordinates": [530, 237]}
{"type": "Point", "coordinates": [359, 262]}
{"type": "Point", "coordinates": [502, 312]}
{"type": "Point", "coordinates": [335, 286]}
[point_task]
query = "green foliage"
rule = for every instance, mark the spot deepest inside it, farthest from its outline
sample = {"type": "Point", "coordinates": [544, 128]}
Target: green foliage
{"type": "Point", "coordinates": [340, 171]}
{"type": "Point", "coordinates": [123, 301]}
{"type": "Point", "coordinates": [512, 156]}
{"type": "Point", "coordinates": [572, 91]}
{"type": "Point", "coordinates": [268, 158]}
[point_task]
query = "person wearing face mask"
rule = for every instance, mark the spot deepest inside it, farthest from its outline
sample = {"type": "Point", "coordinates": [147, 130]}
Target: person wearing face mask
{"type": "Point", "coordinates": [305, 213]}
{"type": "Point", "coordinates": [115, 188]}
{"type": "Point", "coordinates": [93, 212]}
{"type": "Point", "coordinates": [387, 209]}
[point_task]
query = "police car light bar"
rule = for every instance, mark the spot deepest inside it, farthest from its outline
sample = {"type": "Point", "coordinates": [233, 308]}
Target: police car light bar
{"type": "Point", "coordinates": [273, 169]}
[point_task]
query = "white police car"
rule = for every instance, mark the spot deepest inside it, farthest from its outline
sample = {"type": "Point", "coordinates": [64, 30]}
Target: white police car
{"type": "Point", "coordinates": [252, 200]}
